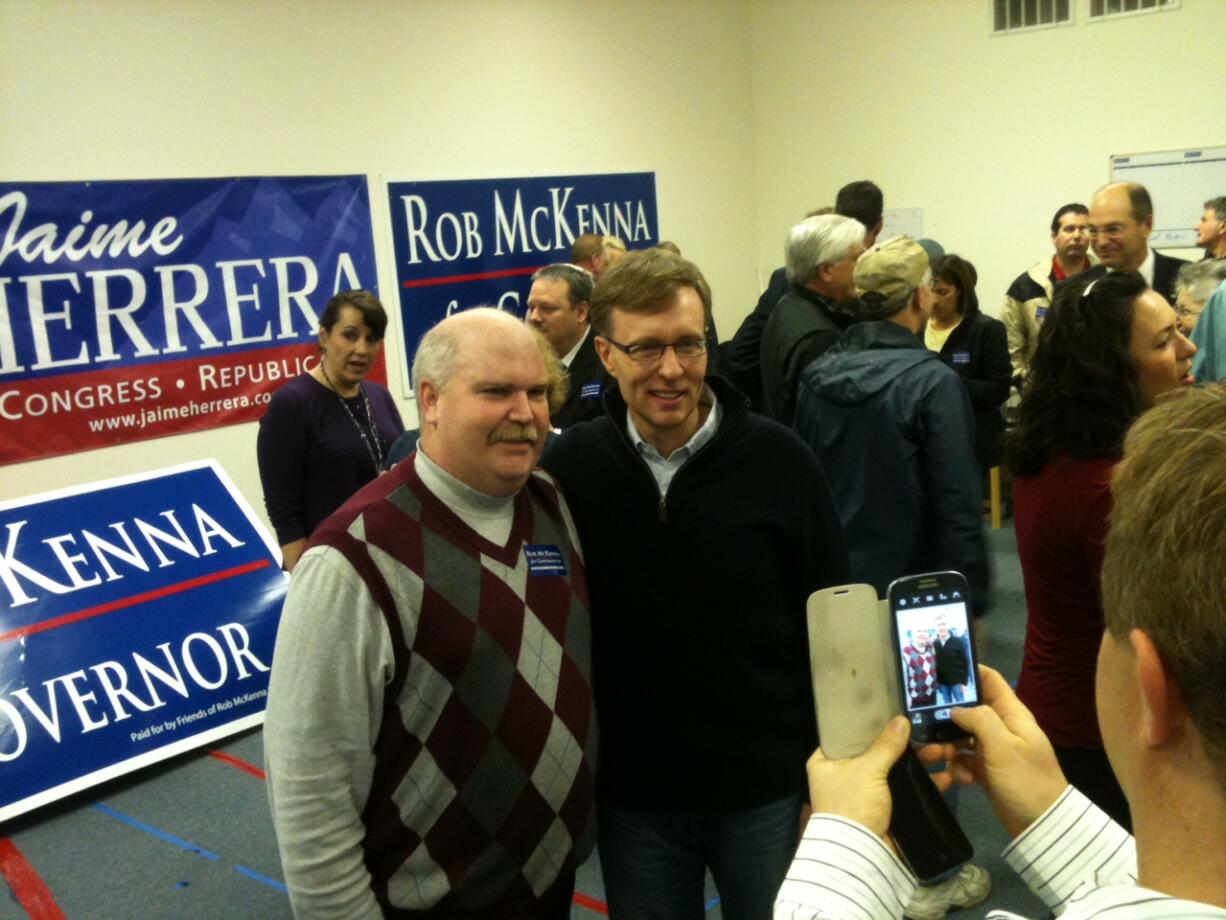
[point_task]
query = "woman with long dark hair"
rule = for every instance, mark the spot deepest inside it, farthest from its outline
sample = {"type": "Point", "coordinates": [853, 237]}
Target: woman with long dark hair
{"type": "Point", "coordinates": [1108, 350]}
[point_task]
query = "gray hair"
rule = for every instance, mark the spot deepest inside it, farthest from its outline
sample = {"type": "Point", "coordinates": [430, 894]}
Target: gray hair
{"type": "Point", "coordinates": [1201, 279]}
{"type": "Point", "coordinates": [579, 281]}
{"type": "Point", "coordinates": [1217, 206]}
{"type": "Point", "coordinates": [818, 241]}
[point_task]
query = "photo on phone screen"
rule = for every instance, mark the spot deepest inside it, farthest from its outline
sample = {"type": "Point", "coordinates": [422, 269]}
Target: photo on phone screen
{"type": "Point", "coordinates": [934, 651]}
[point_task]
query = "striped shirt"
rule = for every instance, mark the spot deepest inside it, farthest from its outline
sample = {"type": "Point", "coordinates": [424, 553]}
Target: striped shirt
{"type": "Point", "coordinates": [1080, 862]}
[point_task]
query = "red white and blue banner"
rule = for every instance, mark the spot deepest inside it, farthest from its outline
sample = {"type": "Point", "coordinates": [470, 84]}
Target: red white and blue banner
{"type": "Point", "coordinates": [476, 242]}
{"type": "Point", "coordinates": [137, 621]}
{"type": "Point", "coordinates": [139, 309]}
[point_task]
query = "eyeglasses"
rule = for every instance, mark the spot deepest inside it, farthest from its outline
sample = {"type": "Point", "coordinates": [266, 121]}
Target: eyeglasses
{"type": "Point", "coordinates": [651, 352]}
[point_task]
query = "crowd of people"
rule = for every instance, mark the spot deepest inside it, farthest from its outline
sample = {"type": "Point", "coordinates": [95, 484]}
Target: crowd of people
{"type": "Point", "coordinates": [575, 611]}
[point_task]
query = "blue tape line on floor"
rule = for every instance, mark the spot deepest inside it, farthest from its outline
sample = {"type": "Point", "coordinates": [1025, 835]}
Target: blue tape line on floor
{"type": "Point", "coordinates": [154, 832]}
{"type": "Point", "coordinates": [711, 903]}
{"type": "Point", "coordinates": [263, 879]}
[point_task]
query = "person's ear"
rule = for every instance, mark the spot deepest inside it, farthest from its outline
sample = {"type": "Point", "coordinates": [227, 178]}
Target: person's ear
{"type": "Point", "coordinates": [1162, 710]}
{"type": "Point", "coordinates": [323, 336]}
{"type": "Point", "coordinates": [604, 351]}
{"type": "Point", "coordinates": [583, 310]}
{"type": "Point", "coordinates": [427, 402]}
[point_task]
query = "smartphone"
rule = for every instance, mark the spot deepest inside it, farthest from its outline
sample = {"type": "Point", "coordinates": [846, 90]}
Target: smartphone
{"type": "Point", "coordinates": [934, 652]}
{"type": "Point", "coordinates": [856, 690]}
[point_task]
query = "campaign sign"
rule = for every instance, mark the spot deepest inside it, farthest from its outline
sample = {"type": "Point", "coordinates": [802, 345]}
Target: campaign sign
{"type": "Point", "coordinates": [133, 310]}
{"type": "Point", "coordinates": [474, 242]}
{"type": "Point", "coordinates": [137, 621]}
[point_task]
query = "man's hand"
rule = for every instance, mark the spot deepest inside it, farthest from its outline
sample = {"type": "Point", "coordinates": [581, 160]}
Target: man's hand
{"type": "Point", "coordinates": [1011, 759]}
{"type": "Point", "coordinates": [856, 787]}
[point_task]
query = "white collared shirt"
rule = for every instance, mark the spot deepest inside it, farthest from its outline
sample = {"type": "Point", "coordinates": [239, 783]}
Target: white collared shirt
{"type": "Point", "coordinates": [1080, 862]}
{"type": "Point", "coordinates": [665, 468]}
{"type": "Point", "coordinates": [570, 355]}
{"type": "Point", "coordinates": [1146, 268]}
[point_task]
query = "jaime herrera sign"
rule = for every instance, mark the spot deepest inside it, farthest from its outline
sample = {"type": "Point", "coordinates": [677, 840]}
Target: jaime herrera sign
{"type": "Point", "coordinates": [137, 621]}
{"type": "Point", "coordinates": [133, 310]}
{"type": "Point", "coordinates": [473, 242]}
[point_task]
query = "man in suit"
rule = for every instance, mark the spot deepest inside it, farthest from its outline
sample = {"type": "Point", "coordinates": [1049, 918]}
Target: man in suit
{"type": "Point", "coordinates": [1121, 220]}
{"type": "Point", "coordinates": [558, 305]}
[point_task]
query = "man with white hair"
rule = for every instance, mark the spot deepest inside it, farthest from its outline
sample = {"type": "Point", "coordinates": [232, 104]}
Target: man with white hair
{"type": "Point", "coordinates": [820, 256]}
{"type": "Point", "coordinates": [430, 732]}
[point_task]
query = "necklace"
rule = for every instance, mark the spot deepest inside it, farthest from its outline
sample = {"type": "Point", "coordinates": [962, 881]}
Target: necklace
{"type": "Point", "coordinates": [375, 449]}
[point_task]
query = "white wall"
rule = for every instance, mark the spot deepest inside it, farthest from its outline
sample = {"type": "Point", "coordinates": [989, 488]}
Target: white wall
{"type": "Point", "coordinates": [988, 135]}
{"type": "Point", "coordinates": [749, 111]}
{"type": "Point", "coordinates": [129, 89]}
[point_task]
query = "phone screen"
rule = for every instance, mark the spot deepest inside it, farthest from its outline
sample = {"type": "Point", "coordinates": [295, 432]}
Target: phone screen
{"type": "Point", "coordinates": [934, 652]}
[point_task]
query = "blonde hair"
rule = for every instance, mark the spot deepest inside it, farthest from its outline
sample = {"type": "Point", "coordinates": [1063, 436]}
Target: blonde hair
{"type": "Point", "coordinates": [646, 282]}
{"type": "Point", "coordinates": [1163, 570]}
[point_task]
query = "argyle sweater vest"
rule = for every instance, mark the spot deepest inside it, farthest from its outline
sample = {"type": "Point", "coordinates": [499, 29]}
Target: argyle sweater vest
{"type": "Point", "coordinates": [921, 675]}
{"type": "Point", "coordinates": [483, 780]}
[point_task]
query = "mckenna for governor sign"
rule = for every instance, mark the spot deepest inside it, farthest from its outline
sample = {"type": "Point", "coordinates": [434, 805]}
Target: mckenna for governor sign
{"type": "Point", "coordinates": [139, 309]}
{"type": "Point", "coordinates": [137, 621]}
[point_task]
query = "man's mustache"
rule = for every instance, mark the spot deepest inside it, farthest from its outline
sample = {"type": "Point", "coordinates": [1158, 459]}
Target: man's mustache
{"type": "Point", "coordinates": [515, 433]}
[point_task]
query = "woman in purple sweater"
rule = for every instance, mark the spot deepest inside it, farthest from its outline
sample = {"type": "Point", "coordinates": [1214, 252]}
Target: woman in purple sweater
{"type": "Point", "coordinates": [326, 432]}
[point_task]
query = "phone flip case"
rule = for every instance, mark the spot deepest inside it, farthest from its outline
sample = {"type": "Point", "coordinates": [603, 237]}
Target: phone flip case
{"type": "Point", "coordinates": [856, 692]}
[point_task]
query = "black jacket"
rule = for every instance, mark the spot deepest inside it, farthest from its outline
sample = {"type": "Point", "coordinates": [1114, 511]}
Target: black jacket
{"type": "Point", "coordinates": [800, 329]}
{"type": "Point", "coordinates": [587, 383]}
{"type": "Point", "coordinates": [700, 650]}
{"type": "Point", "coordinates": [978, 350]}
{"type": "Point", "coordinates": [741, 356]}
{"type": "Point", "coordinates": [1165, 270]}
{"type": "Point", "coordinates": [952, 665]}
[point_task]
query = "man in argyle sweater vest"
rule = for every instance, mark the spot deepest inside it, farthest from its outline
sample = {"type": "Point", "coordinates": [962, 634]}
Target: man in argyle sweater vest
{"type": "Point", "coordinates": [921, 665]}
{"type": "Point", "coordinates": [430, 733]}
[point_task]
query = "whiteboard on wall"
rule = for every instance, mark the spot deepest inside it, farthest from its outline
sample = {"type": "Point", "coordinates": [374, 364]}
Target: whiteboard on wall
{"type": "Point", "coordinates": [1179, 183]}
{"type": "Point", "coordinates": [901, 222]}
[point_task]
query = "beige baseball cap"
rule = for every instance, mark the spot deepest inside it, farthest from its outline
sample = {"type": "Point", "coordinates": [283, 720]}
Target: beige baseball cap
{"type": "Point", "coordinates": [891, 269]}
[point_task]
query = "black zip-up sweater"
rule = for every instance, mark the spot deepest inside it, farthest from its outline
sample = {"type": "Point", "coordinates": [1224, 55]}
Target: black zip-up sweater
{"type": "Point", "coordinates": [700, 650]}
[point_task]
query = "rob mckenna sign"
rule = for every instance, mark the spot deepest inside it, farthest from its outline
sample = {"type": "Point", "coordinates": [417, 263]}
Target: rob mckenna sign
{"type": "Point", "coordinates": [471, 242]}
{"type": "Point", "coordinates": [137, 621]}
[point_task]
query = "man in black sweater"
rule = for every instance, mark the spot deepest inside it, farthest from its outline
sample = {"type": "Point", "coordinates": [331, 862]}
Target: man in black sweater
{"type": "Point", "coordinates": [704, 529]}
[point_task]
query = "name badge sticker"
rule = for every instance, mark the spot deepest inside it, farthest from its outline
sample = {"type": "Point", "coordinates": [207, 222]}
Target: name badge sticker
{"type": "Point", "coordinates": [544, 559]}
{"type": "Point", "coordinates": [590, 390]}
{"type": "Point", "coordinates": [962, 357]}
{"type": "Point", "coordinates": [1040, 312]}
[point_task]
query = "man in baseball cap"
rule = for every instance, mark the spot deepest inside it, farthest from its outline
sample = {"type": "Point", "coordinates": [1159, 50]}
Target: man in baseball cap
{"type": "Point", "coordinates": [893, 428]}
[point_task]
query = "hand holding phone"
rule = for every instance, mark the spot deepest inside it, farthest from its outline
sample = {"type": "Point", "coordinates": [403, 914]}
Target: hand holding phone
{"type": "Point", "coordinates": [934, 652]}
{"type": "Point", "coordinates": [1013, 760]}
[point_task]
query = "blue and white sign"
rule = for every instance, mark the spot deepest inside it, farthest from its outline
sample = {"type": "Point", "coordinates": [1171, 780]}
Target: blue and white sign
{"type": "Point", "coordinates": [137, 621]}
{"type": "Point", "coordinates": [140, 309]}
{"type": "Point", "coordinates": [473, 242]}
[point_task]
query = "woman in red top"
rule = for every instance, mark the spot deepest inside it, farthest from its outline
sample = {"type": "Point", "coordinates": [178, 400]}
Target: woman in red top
{"type": "Point", "coordinates": [1108, 350]}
